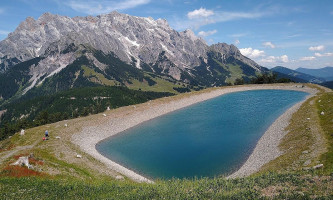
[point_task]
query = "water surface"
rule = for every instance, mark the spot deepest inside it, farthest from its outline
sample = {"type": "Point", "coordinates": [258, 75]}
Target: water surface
{"type": "Point", "coordinates": [210, 138]}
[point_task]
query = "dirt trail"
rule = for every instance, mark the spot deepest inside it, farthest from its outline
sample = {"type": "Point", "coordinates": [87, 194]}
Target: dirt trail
{"type": "Point", "coordinates": [7, 154]}
{"type": "Point", "coordinates": [310, 157]}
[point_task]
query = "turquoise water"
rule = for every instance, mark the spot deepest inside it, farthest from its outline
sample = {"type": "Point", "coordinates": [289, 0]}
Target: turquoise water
{"type": "Point", "coordinates": [204, 140]}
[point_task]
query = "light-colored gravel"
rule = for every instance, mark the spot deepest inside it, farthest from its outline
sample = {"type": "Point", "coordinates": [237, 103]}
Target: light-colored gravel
{"type": "Point", "coordinates": [121, 119]}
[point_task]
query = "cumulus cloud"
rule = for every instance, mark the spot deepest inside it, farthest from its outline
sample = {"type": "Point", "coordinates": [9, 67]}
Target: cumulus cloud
{"type": "Point", "coordinates": [207, 33]}
{"type": "Point", "coordinates": [202, 12]}
{"type": "Point", "coordinates": [252, 53]}
{"type": "Point", "coordinates": [284, 58]}
{"type": "Point", "coordinates": [323, 55]}
{"type": "Point", "coordinates": [317, 48]}
{"type": "Point", "coordinates": [275, 59]}
{"type": "Point", "coordinates": [269, 44]}
{"type": "Point", "coordinates": [99, 7]}
{"type": "Point", "coordinates": [236, 42]}
{"type": "Point", "coordinates": [307, 58]}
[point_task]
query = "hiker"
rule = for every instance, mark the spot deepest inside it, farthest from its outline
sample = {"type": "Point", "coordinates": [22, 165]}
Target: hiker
{"type": "Point", "coordinates": [46, 134]}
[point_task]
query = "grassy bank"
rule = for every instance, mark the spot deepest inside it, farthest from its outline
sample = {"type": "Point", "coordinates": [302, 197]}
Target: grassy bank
{"type": "Point", "coordinates": [325, 105]}
{"type": "Point", "coordinates": [268, 186]}
{"type": "Point", "coordinates": [308, 137]}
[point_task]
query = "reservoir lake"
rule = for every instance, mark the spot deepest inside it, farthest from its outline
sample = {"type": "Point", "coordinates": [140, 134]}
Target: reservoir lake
{"type": "Point", "coordinates": [207, 139]}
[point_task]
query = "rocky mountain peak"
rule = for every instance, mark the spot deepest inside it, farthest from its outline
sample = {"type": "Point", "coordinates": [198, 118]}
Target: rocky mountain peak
{"type": "Point", "coordinates": [28, 24]}
{"type": "Point", "coordinates": [46, 17]}
{"type": "Point", "coordinates": [224, 48]}
{"type": "Point", "coordinates": [139, 40]}
{"type": "Point", "coordinates": [190, 34]}
{"type": "Point", "coordinates": [162, 22]}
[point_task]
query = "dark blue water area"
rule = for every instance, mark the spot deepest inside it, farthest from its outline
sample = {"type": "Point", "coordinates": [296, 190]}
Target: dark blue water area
{"type": "Point", "coordinates": [207, 139]}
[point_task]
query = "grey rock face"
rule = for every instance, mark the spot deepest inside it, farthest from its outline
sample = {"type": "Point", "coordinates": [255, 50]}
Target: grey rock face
{"type": "Point", "coordinates": [232, 50]}
{"type": "Point", "coordinates": [128, 37]}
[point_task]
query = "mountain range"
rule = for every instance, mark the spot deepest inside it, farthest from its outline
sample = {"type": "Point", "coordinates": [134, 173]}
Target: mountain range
{"type": "Point", "coordinates": [55, 53]}
{"type": "Point", "coordinates": [296, 75]}
{"type": "Point", "coordinates": [324, 73]}
{"type": "Point", "coordinates": [322, 76]}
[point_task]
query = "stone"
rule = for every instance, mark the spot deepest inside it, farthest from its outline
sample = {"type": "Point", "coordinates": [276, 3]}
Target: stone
{"type": "Point", "coordinates": [305, 152]}
{"type": "Point", "coordinates": [306, 163]}
{"type": "Point", "coordinates": [78, 156]}
{"type": "Point", "coordinates": [119, 177]}
{"type": "Point", "coordinates": [22, 132]}
{"type": "Point", "coordinates": [108, 108]}
{"type": "Point", "coordinates": [57, 137]}
{"type": "Point", "coordinates": [322, 113]}
{"type": "Point", "coordinates": [318, 166]}
{"type": "Point", "coordinates": [23, 161]}
{"type": "Point", "coordinates": [104, 115]}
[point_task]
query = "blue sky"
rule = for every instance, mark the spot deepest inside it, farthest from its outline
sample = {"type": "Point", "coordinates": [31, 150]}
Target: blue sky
{"type": "Point", "coordinates": [290, 33]}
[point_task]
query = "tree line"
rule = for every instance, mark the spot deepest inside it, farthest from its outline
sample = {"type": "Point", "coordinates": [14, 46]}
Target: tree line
{"type": "Point", "coordinates": [68, 105]}
{"type": "Point", "coordinates": [265, 78]}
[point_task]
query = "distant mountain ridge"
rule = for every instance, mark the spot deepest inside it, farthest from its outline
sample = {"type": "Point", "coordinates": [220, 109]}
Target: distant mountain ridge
{"type": "Point", "coordinates": [55, 53]}
{"type": "Point", "coordinates": [325, 72]}
{"type": "Point", "coordinates": [297, 76]}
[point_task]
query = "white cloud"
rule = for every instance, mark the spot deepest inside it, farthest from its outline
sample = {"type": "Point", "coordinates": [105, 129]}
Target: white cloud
{"type": "Point", "coordinates": [236, 42]}
{"type": "Point", "coordinates": [252, 53]}
{"type": "Point", "coordinates": [269, 44]}
{"type": "Point", "coordinates": [202, 12]}
{"type": "Point", "coordinates": [317, 48]}
{"type": "Point", "coordinates": [202, 17]}
{"type": "Point", "coordinates": [3, 32]}
{"type": "Point", "coordinates": [307, 58]}
{"type": "Point", "coordinates": [99, 7]}
{"type": "Point", "coordinates": [275, 59]}
{"type": "Point", "coordinates": [322, 55]}
{"type": "Point", "coordinates": [284, 58]}
{"type": "Point", "coordinates": [207, 33]}
{"type": "Point", "coordinates": [294, 35]}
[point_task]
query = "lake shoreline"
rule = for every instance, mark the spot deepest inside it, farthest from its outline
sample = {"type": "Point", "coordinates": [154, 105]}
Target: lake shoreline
{"type": "Point", "coordinates": [119, 120]}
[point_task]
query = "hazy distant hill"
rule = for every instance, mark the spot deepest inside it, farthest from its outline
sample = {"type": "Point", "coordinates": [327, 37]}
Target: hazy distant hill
{"type": "Point", "coordinates": [325, 73]}
{"type": "Point", "coordinates": [296, 76]}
